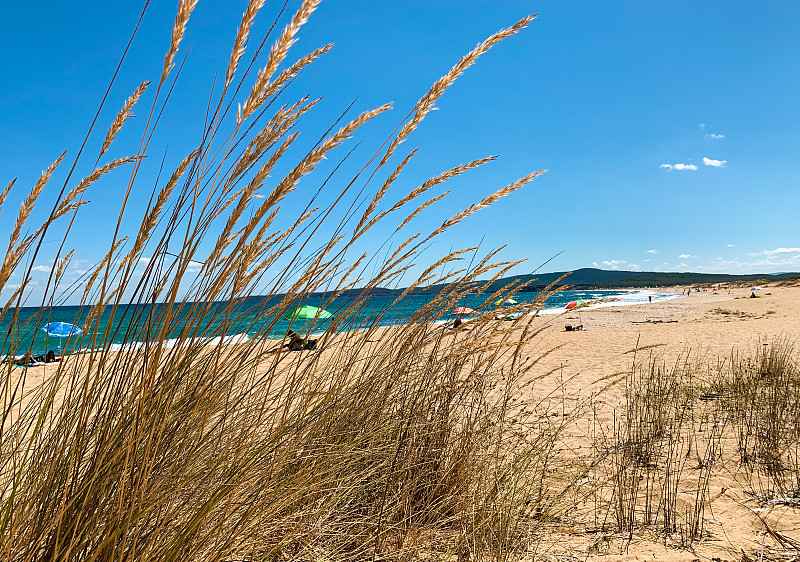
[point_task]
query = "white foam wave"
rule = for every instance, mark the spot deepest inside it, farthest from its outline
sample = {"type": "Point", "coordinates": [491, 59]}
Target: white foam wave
{"type": "Point", "coordinates": [628, 298]}
{"type": "Point", "coordinates": [170, 343]}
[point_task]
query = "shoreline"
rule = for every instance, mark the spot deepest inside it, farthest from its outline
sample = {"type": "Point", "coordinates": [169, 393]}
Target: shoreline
{"type": "Point", "coordinates": [243, 337]}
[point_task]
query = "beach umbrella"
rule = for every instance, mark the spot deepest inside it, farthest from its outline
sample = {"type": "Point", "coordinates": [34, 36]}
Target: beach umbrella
{"type": "Point", "coordinates": [61, 330]}
{"type": "Point", "coordinates": [575, 304]}
{"type": "Point", "coordinates": [306, 312]}
{"type": "Point", "coordinates": [500, 302]}
{"type": "Point", "coordinates": [462, 310]}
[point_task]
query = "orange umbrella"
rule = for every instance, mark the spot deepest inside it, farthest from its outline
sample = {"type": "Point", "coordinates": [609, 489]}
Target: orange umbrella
{"type": "Point", "coordinates": [462, 310]}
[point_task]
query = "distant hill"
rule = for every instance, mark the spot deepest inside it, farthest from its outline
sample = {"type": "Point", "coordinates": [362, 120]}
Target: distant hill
{"type": "Point", "coordinates": [588, 277]}
{"type": "Point", "coordinates": [592, 278]}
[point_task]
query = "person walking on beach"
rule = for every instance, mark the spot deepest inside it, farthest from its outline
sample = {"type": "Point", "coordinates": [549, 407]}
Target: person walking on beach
{"type": "Point", "coordinates": [649, 298]}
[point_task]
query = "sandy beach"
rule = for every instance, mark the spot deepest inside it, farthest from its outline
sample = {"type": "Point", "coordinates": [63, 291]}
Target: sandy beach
{"type": "Point", "coordinates": [590, 367]}
{"type": "Point", "coordinates": [705, 325]}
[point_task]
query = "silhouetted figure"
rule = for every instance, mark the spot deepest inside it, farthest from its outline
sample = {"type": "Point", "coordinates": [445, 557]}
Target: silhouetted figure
{"type": "Point", "coordinates": [298, 343]}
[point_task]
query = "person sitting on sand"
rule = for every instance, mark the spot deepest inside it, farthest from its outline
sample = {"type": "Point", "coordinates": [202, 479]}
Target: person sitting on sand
{"type": "Point", "coordinates": [294, 342]}
{"type": "Point", "coordinates": [51, 357]}
{"type": "Point", "coordinates": [457, 323]}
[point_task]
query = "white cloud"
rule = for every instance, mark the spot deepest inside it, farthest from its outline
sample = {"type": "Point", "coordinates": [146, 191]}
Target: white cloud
{"type": "Point", "coordinates": [702, 126]}
{"type": "Point", "coordinates": [645, 261]}
{"type": "Point", "coordinates": [715, 163]}
{"type": "Point", "coordinates": [679, 166]}
{"type": "Point", "coordinates": [686, 257]}
{"type": "Point", "coordinates": [44, 268]}
{"type": "Point", "coordinates": [716, 136]}
{"type": "Point", "coordinates": [613, 264]}
{"type": "Point", "coordinates": [652, 251]}
{"type": "Point", "coordinates": [617, 264]}
{"type": "Point", "coordinates": [731, 245]}
{"type": "Point", "coordinates": [777, 251]}
{"type": "Point", "coordinates": [768, 261]}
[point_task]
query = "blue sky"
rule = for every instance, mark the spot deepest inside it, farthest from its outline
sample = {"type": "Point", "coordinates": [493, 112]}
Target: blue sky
{"type": "Point", "coordinates": [671, 132]}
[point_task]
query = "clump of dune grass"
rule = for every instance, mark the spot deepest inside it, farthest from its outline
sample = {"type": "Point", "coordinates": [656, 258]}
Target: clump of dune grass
{"type": "Point", "coordinates": [657, 458]}
{"type": "Point", "coordinates": [379, 444]}
{"type": "Point", "coordinates": [760, 394]}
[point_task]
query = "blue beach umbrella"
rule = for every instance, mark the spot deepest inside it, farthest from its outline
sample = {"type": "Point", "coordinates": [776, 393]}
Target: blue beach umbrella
{"type": "Point", "coordinates": [61, 330]}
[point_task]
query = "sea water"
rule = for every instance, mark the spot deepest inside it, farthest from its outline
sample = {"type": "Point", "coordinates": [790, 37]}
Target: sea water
{"type": "Point", "coordinates": [252, 320]}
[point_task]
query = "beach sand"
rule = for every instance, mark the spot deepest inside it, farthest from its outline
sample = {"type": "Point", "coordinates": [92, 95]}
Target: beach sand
{"type": "Point", "coordinates": [585, 371]}
{"type": "Point", "coordinates": [590, 367]}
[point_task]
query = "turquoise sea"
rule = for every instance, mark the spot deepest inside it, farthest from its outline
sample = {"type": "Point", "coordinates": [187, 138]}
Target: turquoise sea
{"type": "Point", "coordinates": [253, 321]}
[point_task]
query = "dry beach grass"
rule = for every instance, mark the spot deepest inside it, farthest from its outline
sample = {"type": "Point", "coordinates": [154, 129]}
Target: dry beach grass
{"type": "Point", "coordinates": [191, 451]}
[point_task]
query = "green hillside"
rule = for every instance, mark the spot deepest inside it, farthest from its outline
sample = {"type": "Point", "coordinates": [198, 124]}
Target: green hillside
{"type": "Point", "coordinates": [592, 278]}
{"type": "Point", "coordinates": [600, 278]}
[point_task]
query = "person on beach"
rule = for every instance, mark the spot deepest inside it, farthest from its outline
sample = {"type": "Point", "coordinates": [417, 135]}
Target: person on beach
{"type": "Point", "coordinates": [25, 360]}
{"type": "Point", "coordinates": [29, 360]}
{"type": "Point", "coordinates": [295, 342]}
{"type": "Point", "coordinates": [649, 298]}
